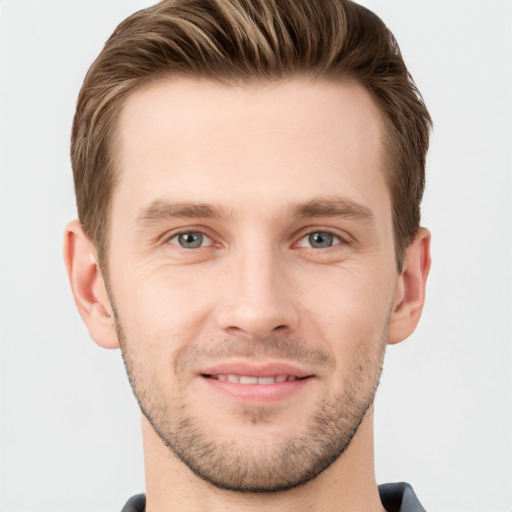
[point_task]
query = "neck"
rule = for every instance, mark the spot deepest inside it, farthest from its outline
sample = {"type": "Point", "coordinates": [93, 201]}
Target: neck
{"type": "Point", "coordinates": [348, 484]}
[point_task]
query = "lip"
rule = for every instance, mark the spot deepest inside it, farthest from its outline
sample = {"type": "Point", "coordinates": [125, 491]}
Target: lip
{"type": "Point", "coordinates": [256, 394]}
{"type": "Point", "coordinates": [264, 369]}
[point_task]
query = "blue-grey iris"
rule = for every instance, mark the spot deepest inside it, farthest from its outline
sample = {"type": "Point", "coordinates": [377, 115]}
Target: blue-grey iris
{"type": "Point", "coordinates": [190, 240]}
{"type": "Point", "coordinates": [321, 240]}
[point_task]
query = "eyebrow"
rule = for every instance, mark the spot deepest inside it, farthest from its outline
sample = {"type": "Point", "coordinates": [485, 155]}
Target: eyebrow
{"type": "Point", "coordinates": [162, 209]}
{"type": "Point", "coordinates": [332, 207]}
{"type": "Point", "coordinates": [167, 210]}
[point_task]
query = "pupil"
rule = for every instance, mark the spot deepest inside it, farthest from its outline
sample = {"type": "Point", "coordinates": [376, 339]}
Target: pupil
{"type": "Point", "coordinates": [191, 240]}
{"type": "Point", "coordinates": [320, 240]}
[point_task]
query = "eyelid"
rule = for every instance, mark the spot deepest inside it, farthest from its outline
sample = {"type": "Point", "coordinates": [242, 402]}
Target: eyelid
{"type": "Point", "coordinates": [169, 235]}
{"type": "Point", "coordinates": [343, 237]}
{"type": "Point", "coordinates": [208, 241]}
{"type": "Point", "coordinates": [304, 241]}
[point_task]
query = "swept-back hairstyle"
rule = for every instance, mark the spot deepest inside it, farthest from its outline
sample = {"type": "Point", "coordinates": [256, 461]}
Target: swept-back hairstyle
{"type": "Point", "coordinates": [240, 41]}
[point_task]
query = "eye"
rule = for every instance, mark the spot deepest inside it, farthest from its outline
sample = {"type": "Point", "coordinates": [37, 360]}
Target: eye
{"type": "Point", "coordinates": [319, 240]}
{"type": "Point", "coordinates": [191, 240]}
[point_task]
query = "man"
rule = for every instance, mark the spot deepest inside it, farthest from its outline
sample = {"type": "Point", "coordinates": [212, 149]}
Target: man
{"type": "Point", "coordinates": [248, 177]}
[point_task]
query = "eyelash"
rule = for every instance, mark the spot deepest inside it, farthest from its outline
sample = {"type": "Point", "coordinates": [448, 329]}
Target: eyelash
{"type": "Point", "coordinates": [169, 239]}
{"type": "Point", "coordinates": [339, 239]}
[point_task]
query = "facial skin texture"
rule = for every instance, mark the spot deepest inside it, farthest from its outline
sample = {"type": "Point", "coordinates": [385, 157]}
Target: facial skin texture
{"type": "Point", "coordinates": [247, 176]}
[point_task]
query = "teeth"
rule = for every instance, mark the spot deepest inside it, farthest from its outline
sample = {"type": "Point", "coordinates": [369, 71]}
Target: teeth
{"type": "Point", "coordinates": [266, 380]}
{"type": "Point", "coordinates": [248, 380]}
{"type": "Point", "coordinates": [245, 379]}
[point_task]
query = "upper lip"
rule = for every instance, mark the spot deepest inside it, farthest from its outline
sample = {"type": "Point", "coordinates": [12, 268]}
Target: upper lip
{"type": "Point", "coordinates": [252, 369]}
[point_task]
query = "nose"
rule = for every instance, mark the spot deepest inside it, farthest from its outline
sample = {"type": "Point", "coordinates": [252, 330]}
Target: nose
{"type": "Point", "coordinates": [258, 299]}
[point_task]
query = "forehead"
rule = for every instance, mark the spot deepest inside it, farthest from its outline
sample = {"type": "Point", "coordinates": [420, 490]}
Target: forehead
{"type": "Point", "coordinates": [196, 140]}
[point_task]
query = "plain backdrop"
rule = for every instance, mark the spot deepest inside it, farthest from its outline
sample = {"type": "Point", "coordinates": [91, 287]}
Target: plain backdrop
{"type": "Point", "coordinates": [69, 426]}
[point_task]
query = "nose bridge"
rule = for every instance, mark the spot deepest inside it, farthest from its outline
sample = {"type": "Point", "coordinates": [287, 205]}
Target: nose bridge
{"type": "Point", "coordinates": [258, 300]}
{"type": "Point", "coordinates": [259, 280]}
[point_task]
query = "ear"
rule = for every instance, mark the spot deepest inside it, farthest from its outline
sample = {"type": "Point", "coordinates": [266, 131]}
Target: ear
{"type": "Point", "coordinates": [88, 286]}
{"type": "Point", "coordinates": [410, 292]}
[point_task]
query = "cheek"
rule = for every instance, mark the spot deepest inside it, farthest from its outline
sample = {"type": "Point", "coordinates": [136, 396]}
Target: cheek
{"type": "Point", "coordinates": [350, 310]}
{"type": "Point", "coordinates": [163, 309]}
{"type": "Point", "coordinates": [353, 290]}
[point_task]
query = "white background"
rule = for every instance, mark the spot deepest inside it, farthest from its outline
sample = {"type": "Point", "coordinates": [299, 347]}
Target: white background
{"type": "Point", "coordinates": [69, 427]}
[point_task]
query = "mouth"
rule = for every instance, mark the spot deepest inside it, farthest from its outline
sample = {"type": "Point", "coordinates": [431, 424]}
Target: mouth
{"type": "Point", "coordinates": [256, 383]}
{"type": "Point", "coordinates": [248, 379]}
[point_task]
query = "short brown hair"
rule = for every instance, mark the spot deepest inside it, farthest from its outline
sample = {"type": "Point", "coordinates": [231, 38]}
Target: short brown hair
{"type": "Point", "coordinates": [239, 41]}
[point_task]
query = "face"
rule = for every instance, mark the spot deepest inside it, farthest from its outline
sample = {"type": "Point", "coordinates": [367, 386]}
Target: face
{"type": "Point", "coordinates": [252, 272]}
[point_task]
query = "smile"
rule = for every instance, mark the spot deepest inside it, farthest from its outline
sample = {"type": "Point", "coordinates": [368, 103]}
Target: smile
{"type": "Point", "coordinates": [247, 379]}
{"type": "Point", "coordinates": [256, 384]}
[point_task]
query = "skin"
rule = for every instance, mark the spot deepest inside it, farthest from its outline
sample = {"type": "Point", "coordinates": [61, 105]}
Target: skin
{"type": "Point", "coordinates": [255, 170]}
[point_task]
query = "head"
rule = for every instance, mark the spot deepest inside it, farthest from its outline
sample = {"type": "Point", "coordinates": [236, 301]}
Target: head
{"type": "Point", "coordinates": [248, 178]}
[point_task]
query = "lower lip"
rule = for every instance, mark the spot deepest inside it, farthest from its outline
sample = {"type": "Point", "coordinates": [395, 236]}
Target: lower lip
{"type": "Point", "coordinates": [262, 393]}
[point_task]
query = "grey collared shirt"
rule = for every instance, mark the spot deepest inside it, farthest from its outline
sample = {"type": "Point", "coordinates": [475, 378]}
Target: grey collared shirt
{"type": "Point", "coordinates": [399, 497]}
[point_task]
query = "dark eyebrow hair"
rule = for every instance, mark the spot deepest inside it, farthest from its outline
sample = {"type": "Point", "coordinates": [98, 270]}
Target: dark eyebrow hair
{"type": "Point", "coordinates": [162, 209]}
{"type": "Point", "coordinates": [332, 207]}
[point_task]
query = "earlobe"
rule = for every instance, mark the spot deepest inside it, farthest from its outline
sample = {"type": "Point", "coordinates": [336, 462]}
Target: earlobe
{"type": "Point", "coordinates": [410, 292]}
{"type": "Point", "coordinates": [88, 286]}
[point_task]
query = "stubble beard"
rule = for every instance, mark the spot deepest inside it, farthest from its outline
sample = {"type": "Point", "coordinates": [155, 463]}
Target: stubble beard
{"type": "Point", "coordinates": [254, 469]}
